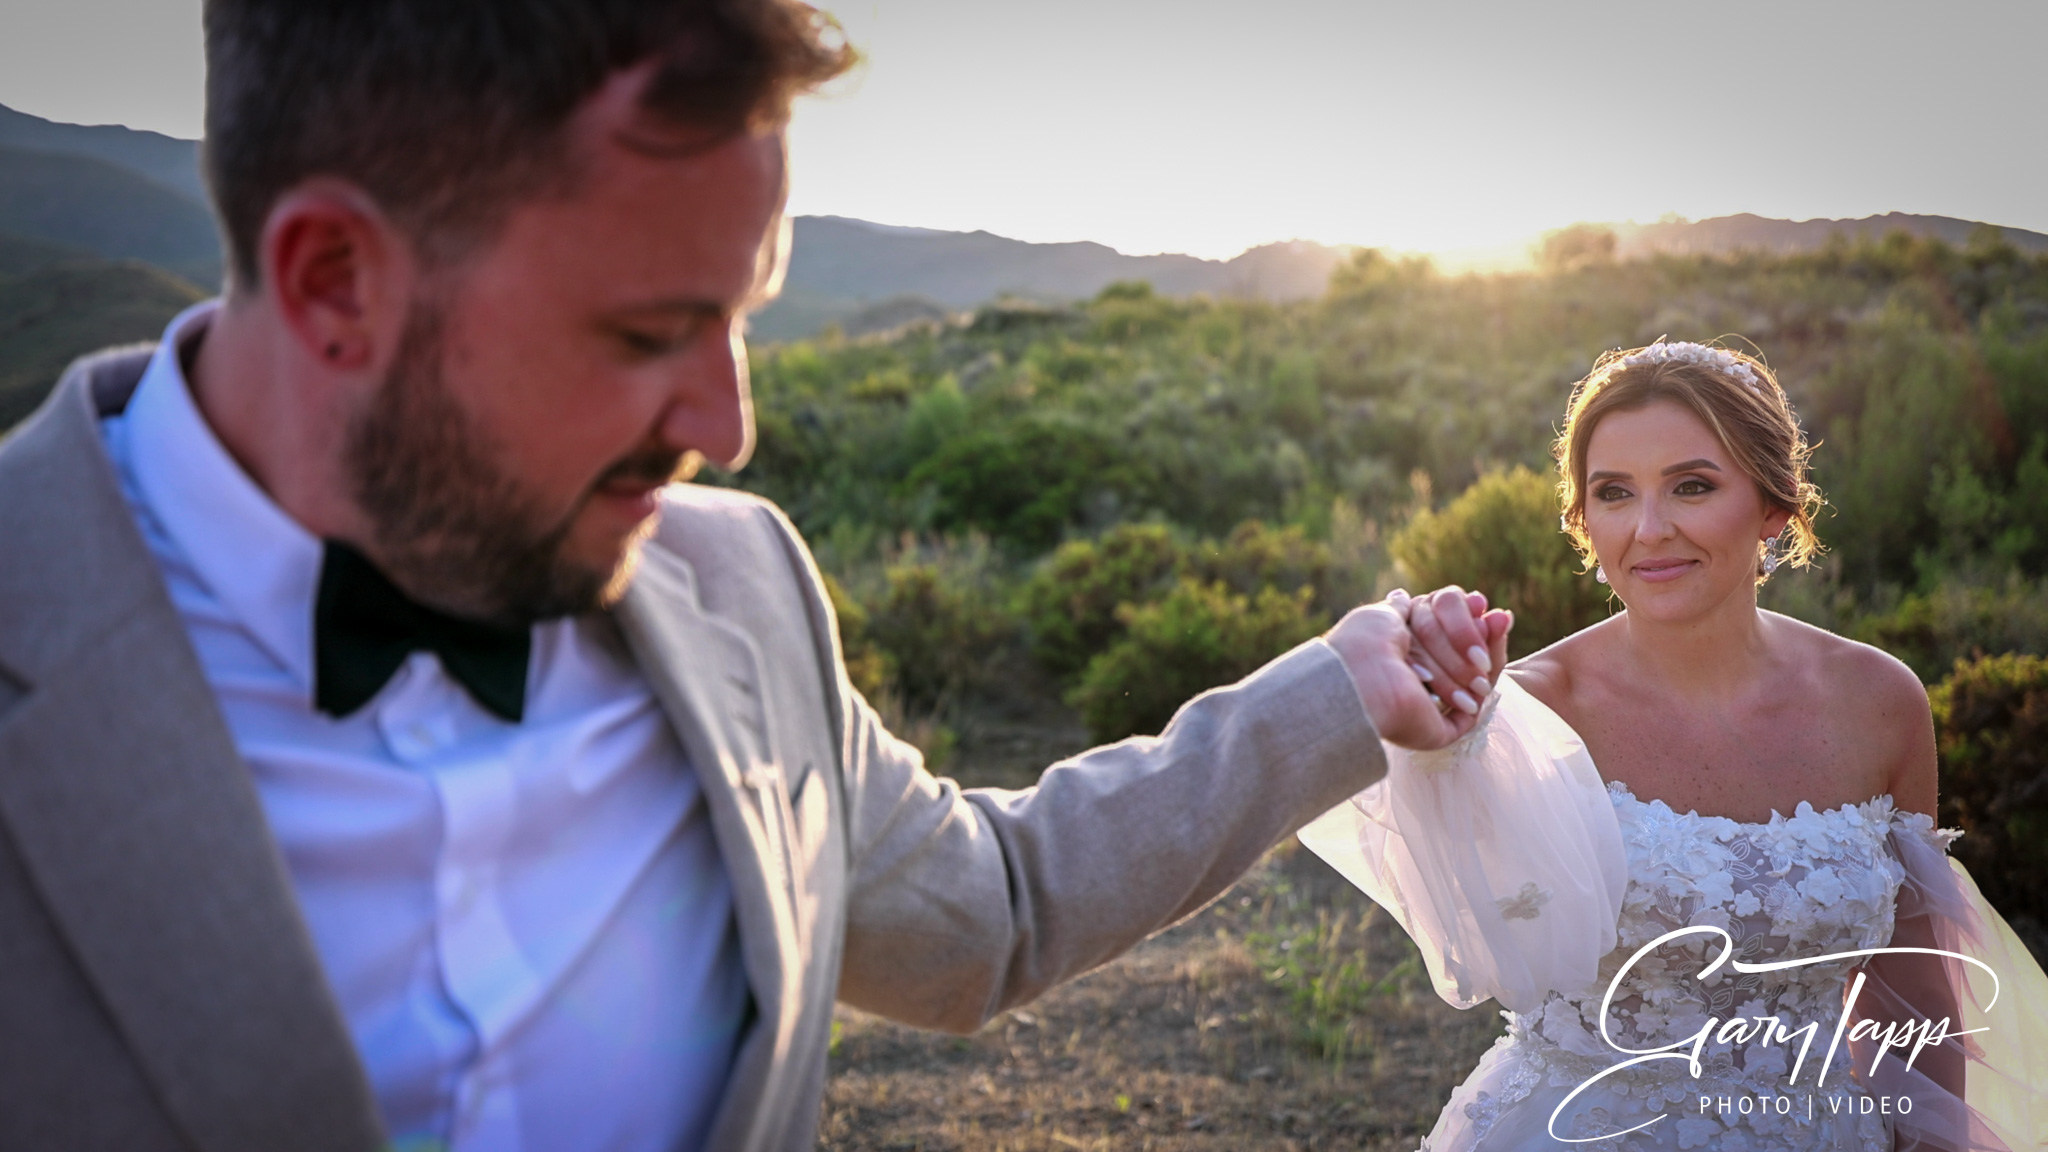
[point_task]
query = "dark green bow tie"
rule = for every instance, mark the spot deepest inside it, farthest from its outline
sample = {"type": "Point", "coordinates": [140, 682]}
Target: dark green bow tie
{"type": "Point", "coordinates": [364, 628]}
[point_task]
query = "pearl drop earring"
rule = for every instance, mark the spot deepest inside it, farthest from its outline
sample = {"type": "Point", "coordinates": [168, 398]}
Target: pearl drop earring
{"type": "Point", "coordinates": [1600, 573]}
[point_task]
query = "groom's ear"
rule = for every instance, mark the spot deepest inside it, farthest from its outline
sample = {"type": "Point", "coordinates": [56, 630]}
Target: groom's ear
{"type": "Point", "coordinates": [338, 273]}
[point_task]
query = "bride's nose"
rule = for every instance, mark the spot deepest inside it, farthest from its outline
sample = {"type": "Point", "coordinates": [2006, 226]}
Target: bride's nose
{"type": "Point", "coordinates": [1653, 522]}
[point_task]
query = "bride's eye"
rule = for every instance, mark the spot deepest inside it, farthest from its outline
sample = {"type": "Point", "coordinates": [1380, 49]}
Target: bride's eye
{"type": "Point", "coordinates": [1610, 492]}
{"type": "Point", "coordinates": [1692, 487]}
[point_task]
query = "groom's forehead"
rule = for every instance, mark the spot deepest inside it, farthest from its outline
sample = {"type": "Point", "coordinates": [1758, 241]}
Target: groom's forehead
{"type": "Point", "coordinates": [651, 229]}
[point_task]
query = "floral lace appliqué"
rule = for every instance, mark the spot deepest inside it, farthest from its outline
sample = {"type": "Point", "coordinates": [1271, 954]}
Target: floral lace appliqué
{"type": "Point", "coordinates": [1810, 883]}
{"type": "Point", "coordinates": [1526, 904]}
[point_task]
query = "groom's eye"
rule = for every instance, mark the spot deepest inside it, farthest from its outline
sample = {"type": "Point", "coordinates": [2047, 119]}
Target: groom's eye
{"type": "Point", "coordinates": [648, 345]}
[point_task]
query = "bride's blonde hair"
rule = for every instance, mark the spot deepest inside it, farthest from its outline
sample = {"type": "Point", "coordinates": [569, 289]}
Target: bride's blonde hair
{"type": "Point", "coordinates": [1733, 393]}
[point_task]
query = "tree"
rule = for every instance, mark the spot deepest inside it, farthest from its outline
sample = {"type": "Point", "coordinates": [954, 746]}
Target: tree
{"type": "Point", "coordinates": [1576, 247]}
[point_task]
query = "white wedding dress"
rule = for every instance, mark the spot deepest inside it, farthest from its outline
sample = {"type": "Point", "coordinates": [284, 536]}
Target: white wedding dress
{"type": "Point", "coordinates": [1526, 879]}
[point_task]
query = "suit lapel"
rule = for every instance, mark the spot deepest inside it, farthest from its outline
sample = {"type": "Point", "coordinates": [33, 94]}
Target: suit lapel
{"type": "Point", "coordinates": [706, 674]}
{"type": "Point", "coordinates": [122, 791]}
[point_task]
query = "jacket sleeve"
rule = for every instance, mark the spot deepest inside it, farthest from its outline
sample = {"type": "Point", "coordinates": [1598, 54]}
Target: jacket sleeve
{"type": "Point", "coordinates": [963, 903]}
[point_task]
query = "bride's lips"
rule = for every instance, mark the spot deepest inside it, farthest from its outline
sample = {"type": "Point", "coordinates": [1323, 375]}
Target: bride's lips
{"type": "Point", "coordinates": [1658, 571]}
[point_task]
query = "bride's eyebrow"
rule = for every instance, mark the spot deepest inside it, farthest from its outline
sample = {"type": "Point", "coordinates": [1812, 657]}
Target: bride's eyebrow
{"type": "Point", "coordinates": [1700, 465]}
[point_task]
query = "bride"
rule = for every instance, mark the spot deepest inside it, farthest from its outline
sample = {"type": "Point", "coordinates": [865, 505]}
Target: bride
{"type": "Point", "coordinates": [1671, 838]}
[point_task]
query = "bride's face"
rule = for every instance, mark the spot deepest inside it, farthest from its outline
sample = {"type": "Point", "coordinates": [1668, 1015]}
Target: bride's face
{"type": "Point", "coordinates": [1673, 520]}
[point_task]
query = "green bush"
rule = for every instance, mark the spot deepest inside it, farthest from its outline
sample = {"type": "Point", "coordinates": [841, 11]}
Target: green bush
{"type": "Point", "coordinates": [940, 632]}
{"type": "Point", "coordinates": [1022, 483]}
{"type": "Point", "coordinates": [1932, 631]}
{"type": "Point", "coordinates": [1991, 725]}
{"type": "Point", "coordinates": [1070, 604]}
{"type": "Point", "coordinates": [867, 665]}
{"type": "Point", "coordinates": [1501, 537]}
{"type": "Point", "coordinates": [1254, 556]}
{"type": "Point", "coordinates": [1200, 635]}
{"type": "Point", "coordinates": [1075, 603]}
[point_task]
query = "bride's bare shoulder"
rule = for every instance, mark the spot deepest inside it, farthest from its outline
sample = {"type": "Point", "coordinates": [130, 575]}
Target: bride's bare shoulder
{"type": "Point", "coordinates": [1552, 674]}
{"type": "Point", "coordinates": [1880, 702]}
{"type": "Point", "coordinates": [1852, 670]}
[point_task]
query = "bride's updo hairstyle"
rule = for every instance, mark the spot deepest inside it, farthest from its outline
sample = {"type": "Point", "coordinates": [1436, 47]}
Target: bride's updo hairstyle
{"type": "Point", "coordinates": [1732, 393]}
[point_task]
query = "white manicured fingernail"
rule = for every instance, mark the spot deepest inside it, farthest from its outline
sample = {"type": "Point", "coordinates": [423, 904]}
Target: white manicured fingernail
{"type": "Point", "coordinates": [1481, 686]}
{"type": "Point", "coordinates": [1477, 655]}
{"type": "Point", "coordinates": [1465, 701]}
{"type": "Point", "coordinates": [1422, 672]}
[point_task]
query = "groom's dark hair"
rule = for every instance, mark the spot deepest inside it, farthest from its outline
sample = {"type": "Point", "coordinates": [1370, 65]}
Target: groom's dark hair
{"type": "Point", "coordinates": [448, 112]}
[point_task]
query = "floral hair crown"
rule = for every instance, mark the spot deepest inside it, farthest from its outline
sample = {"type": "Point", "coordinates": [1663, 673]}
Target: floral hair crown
{"type": "Point", "coordinates": [1687, 352]}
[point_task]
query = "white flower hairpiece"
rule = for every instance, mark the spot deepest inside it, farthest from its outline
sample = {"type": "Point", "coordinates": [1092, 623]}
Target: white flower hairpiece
{"type": "Point", "coordinates": [1687, 352]}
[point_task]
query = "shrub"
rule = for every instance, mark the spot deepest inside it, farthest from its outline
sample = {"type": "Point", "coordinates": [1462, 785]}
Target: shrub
{"type": "Point", "coordinates": [1254, 556]}
{"type": "Point", "coordinates": [866, 665]}
{"type": "Point", "coordinates": [1199, 636]}
{"type": "Point", "coordinates": [1022, 482]}
{"type": "Point", "coordinates": [1501, 537]}
{"type": "Point", "coordinates": [1957, 621]}
{"type": "Point", "coordinates": [1071, 603]}
{"type": "Point", "coordinates": [1991, 725]}
{"type": "Point", "coordinates": [939, 630]}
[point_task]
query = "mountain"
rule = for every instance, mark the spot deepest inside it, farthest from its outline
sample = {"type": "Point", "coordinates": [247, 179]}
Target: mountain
{"type": "Point", "coordinates": [82, 202]}
{"type": "Point", "coordinates": [1746, 232]}
{"type": "Point", "coordinates": [51, 315]}
{"type": "Point", "coordinates": [19, 254]}
{"type": "Point", "coordinates": [160, 159]}
{"type": "Point", "coordinates": [839, 267]}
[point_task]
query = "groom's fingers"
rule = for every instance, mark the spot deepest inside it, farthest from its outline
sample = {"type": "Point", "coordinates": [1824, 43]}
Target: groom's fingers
{"type": "Point", "coordinates": [1377, 649]}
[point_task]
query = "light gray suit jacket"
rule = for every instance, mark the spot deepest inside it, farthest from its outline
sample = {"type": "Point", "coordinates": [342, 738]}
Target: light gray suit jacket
{"type": "Point", "coordinates": [159, 990]}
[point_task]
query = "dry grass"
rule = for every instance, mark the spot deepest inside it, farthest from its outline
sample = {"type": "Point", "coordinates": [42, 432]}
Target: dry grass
{"type": "Point", "coordinates": [1215, 1035]}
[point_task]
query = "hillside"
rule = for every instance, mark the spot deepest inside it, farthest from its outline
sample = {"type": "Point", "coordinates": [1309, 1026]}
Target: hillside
{"type": "Point", "coordinates": [841, 266]}
{"type": "Point", "coordinates": [842, 269]}
{"type": "Point", "coordinates": [19, 254]}
{"type": "Point", "coordinates": [50, 316]}
{"type": "Point", "coordinates": [161, 159]}
{"type": "Point", "coordinates": [85, 203]}
{"type": "Point", "coordinates": [1749, 233]}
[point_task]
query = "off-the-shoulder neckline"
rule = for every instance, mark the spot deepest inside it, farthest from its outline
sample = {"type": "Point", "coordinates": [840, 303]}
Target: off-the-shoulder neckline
{"type": "Point", "coordinates": [1506, 680]}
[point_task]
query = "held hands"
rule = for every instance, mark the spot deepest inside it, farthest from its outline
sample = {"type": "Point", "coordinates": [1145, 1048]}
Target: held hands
{"type": "Point", "coordinates": [1417, 662]}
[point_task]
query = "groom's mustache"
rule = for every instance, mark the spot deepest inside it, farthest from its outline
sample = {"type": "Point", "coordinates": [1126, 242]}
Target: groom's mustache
{"type": "Point", "coordinates": [649, 467]}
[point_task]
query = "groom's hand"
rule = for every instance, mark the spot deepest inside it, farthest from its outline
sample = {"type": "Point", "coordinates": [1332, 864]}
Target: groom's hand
{"type": "Point", "coordinates": [1392, 647]}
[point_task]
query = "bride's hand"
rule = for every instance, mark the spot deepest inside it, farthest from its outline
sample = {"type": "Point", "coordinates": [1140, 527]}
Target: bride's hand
{"type": "Point", "coordinates": [1460, 646]}
{"type": "Point", "coordinates": [1389, 663]}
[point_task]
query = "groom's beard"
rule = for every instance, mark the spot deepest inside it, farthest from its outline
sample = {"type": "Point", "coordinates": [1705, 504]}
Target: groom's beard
{"type": "Point", "coordinates": [454, 528]}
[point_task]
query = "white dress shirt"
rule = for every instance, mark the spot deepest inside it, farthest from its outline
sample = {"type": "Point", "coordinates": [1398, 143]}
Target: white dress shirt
{"type": "Point", "coordinates": [527, 926]}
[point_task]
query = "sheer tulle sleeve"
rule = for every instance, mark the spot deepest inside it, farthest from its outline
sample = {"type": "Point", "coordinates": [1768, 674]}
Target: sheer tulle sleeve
{"type": "Point", "coordinates": [1499, 855]}
{"type": "Point", "coordinates": [2002, 1070]}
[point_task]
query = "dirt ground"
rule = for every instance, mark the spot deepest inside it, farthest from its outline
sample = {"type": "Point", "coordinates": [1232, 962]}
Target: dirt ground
{"type": "Point", "coordinates": [1291, 1014]}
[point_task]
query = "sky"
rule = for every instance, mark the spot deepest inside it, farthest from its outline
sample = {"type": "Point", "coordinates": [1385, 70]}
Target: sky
{"type": "Point", "coordinates": [1206, 127]}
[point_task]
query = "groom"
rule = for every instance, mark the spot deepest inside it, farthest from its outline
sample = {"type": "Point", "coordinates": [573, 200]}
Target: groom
{"type": "Point", "coordinates": [390, 755]}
